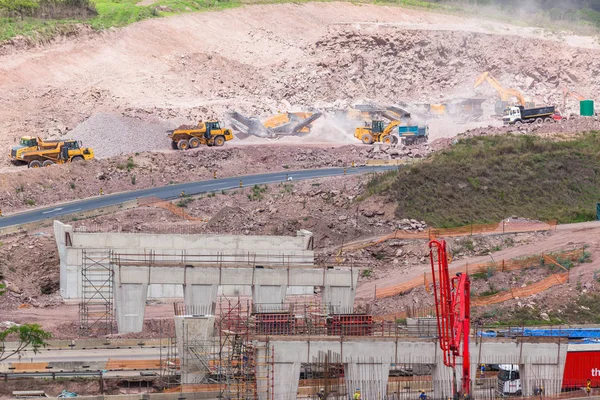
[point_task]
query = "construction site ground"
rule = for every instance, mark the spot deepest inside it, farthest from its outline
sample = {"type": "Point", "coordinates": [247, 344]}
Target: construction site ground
{"type": "Point", "coordinates": [326, 208]}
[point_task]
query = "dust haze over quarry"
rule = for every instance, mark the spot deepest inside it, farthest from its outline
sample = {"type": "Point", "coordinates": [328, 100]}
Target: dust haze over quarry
{"type": "Point", "coordinates": [166, 72]}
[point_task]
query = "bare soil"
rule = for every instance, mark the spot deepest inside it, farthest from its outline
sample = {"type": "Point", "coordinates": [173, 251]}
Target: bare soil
{"type": "Point", "coordinates": [164, 72]}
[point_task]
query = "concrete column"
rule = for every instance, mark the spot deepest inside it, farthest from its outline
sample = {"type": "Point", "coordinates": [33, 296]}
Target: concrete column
{"type": "Point", "coordinates": [533, 375]}
{"type": "Point", "coordinates": [339, 299]}
{"type": "Point", "coordinates": [194, 344]}
{"type": "Point", "coordinates": [268, 298]}
{"type": "Point", "coordinates": [200, 299]}
{"type": "Point", "coordinates": [368, 374]}
{"type": "Point", "coordinates": [278, 379]}
{"type": "Point", "coordinates": [130, 304]}
{"type": "Point", "coordinates": [442, 377]}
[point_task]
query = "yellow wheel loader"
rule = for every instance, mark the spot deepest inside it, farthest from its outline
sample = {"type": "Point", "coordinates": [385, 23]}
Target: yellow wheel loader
{"type": "Point", "coordinates": [376, 132]}
{"type": "Point", "coordinates": [207, 133]}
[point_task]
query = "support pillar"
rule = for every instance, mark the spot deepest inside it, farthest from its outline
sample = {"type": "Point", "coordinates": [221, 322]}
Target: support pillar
{"type": "Point", "coordinates": [268, 298]}
{"type": "Point", "coordinates": [194, 345]}
{"type": "Point", "coordinates": [200, 299]}
{"type": "Point", "coordinates": [276, 380]}
{"type": "Point", "coordinates": [368, 374]}
{"type": "Point", "coordinates": [339, 299]}
{"type": "Point", "coordinates": [130, 304]}
{"type": "Point", "coordinates": [442, 378]}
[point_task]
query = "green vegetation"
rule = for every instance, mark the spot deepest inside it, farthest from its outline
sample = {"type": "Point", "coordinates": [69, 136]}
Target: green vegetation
{"type": "Point", "coordinates": [485, 179]}
{"type": "Point", "coordinates": [26, 335]}
{"type": "Point", "coordinates": [23, 17]}
{"type": "Point", "coordinates": [366, 273]}
{"type": "Point", "coordinates": [185, 200]}
{"type": "Point", "coordinates": [257, 192]}
{"type": "Point", "coordinates": [29, 202]}
{"type": "Point", "coordinates": [585, 310]}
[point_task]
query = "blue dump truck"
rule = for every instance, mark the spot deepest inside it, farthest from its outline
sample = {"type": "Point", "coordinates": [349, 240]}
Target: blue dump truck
{"type": "Point", "coordinates": [413, 134]}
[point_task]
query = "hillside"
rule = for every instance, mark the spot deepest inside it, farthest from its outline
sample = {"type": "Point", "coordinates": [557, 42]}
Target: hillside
{"type": "Point", "coordinates": [485, 179]}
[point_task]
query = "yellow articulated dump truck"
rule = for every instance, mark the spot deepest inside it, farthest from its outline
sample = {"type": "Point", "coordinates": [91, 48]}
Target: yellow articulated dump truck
{"type": "Point", "coordinates": [207, 133]}
{"type": "Point", "coordinates": [64, 151]}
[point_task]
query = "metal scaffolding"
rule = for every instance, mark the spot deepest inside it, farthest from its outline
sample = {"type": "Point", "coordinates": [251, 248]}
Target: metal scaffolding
{"type": "Point", "coordinates": [96, 306]}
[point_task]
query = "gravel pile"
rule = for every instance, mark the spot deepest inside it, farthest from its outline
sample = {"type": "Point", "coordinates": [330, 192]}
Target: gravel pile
{"type": "Point", "coordinates": [111, 134]}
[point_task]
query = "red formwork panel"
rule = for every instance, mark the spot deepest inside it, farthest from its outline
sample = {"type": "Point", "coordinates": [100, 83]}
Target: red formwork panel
{"type": "Point", "coordinates": [350, 325]}
{"type": "Point", "coordinates": [274, 323]}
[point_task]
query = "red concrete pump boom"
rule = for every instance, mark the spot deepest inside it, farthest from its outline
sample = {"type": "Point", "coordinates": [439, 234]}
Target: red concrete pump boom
{"type": "Point", "coordinates": [453, 310]}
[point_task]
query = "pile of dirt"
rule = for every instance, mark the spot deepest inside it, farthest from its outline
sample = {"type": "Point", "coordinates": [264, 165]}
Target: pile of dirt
{"type": "Point", "coordinates": [110, 135]}
{"type": "Point", "coordinates": [567, 127]}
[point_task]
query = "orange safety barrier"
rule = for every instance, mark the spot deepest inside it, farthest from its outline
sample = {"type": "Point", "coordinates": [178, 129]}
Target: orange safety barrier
{"type": "Point", "coordinates": [179, 211]}
{"type": "Point", "coordinates": [502, 265]}
{"type": "Point", "coordinates": [30, 366]}
{"type": "Point", "coordinates": [113, 364]}
{"type": "Point", "coordinates": [468, 230]}
{"type": "Point", "coordinates": [544, 284]}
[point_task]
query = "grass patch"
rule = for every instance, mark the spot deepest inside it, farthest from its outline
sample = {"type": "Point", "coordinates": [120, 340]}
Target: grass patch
{"type": "Point", "coordinates": [185, 200]}
{"type": "Point", "coordinates": [485, 179]}
{"type": "Point", "coordinates": [119, 13]}
{"type": "Point", "coordinates": [257, 192]}
{"type": "Point", "coordinates": [366, 273]}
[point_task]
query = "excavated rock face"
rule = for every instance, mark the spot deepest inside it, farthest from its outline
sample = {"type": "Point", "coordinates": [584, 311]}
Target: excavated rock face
{"type": "Point", "coordinates": [391, 64]}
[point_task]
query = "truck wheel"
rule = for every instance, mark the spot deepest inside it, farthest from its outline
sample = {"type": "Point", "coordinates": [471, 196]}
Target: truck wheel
{"type": "Point", "coordinates": [174, 145]}
{"type": "Point", "coordinates": [47, 163]}
{"type": "Point", "coordinates": [219, 141]}
{"type": "Point", "coordinates": [194, 142]}
{"type": "Point", "coordinates": [539, 121]}
{"type": "Point", "coordinates": [395, 139]}
{"type": "Point", "coordinates": [518, 392]}
{"type": "Point", "coordinates": [77, 158]}
{"type": "Point", "coordinates": [183, 145]}
{"type": "Point", "coordinates": [35, 164]}
{"type": "Point", "coordinates": [548, 120]}
{"type": "Point", "coordinates": [367, 139]}
{"type": "Point", "coordinates": [387, 139]}
{"type": "Point", "coordinates": [518, 122]}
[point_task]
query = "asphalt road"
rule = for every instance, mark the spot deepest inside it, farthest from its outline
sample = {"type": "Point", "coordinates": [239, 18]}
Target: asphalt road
{"type": "Point", "coordinates": [171, 192]}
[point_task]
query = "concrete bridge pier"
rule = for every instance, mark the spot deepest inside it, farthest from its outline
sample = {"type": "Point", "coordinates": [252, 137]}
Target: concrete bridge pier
{"type": "Point", "coordinates": [130, 304]}
{"type": "Point", "coordinates": [339, 299]}
{"type": "Point", "coordinates": [269, 298]}
{"type": "Point", "coordinates": [368, 374]}
{"type": "Point", "coordinates": [442, 379]}
{"type": "Point", "coordinates": [200, 299]}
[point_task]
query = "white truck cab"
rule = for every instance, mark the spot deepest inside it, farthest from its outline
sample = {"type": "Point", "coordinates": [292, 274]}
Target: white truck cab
{"type": "Point", "coordinates": [511, 115]}
{"type": "Point", "coordinates": [509, 380]}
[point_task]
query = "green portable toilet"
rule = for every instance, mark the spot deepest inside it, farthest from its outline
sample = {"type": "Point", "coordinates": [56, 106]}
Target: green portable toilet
{"type": "Point", "coordinates": [586, 108]}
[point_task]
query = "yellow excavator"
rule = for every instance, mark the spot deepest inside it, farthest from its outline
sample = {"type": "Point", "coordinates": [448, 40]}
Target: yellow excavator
{"type": "Point", "coordinates": [377, 132]}
{"type": "Point", "coordinates": [505, 94]}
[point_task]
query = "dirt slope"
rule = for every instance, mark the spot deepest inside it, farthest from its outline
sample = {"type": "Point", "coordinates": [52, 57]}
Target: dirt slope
{"type": "Point", "coordinates": [170, 71]}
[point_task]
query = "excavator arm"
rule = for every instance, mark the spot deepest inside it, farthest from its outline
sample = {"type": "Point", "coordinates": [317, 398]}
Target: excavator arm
{"type": "Point", "coordinates": [573, 94]}
{"type": "Point", "coordinates": [505, 94]}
